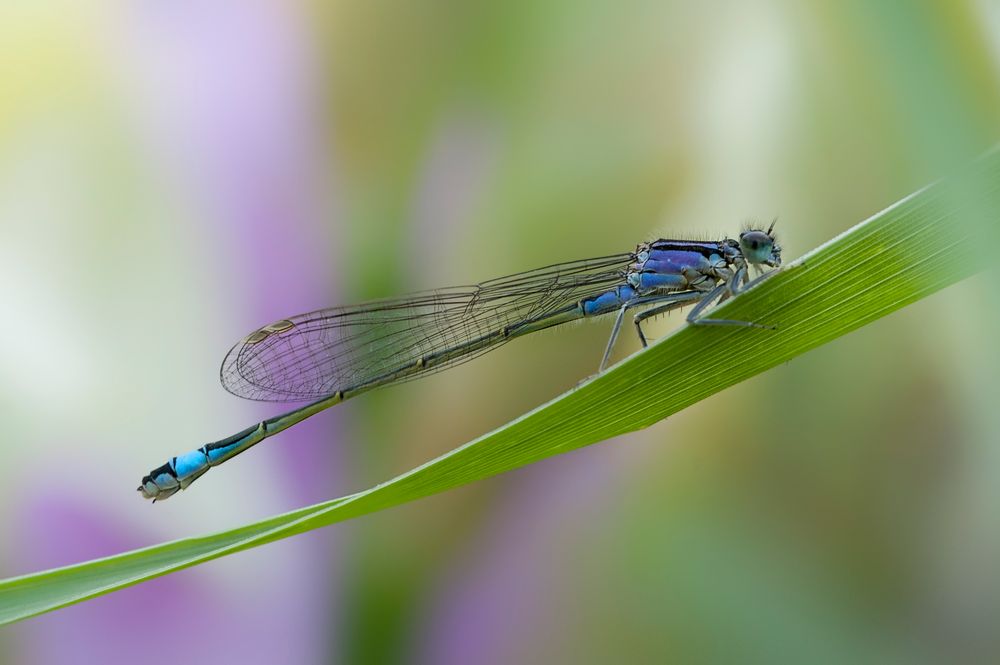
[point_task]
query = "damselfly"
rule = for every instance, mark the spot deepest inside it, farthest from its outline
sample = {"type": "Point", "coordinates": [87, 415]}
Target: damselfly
{"type": "Point", "coordinates": [333, 354]}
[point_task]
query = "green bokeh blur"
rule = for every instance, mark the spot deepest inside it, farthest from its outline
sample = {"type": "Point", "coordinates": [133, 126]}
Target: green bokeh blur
{"type": "Point", "coordinates": [841, 508]}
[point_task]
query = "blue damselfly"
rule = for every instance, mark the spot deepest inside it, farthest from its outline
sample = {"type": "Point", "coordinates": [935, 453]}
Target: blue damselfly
{"type": "Point", "coordinates": [331, 355]}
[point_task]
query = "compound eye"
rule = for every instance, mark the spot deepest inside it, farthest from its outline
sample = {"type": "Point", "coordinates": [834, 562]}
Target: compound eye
{"type": "Point", "coordinates": [756, 246]}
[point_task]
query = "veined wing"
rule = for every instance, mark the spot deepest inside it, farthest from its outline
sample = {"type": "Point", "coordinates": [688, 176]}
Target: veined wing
{"type": "Point", "coordinates": [312, 355]}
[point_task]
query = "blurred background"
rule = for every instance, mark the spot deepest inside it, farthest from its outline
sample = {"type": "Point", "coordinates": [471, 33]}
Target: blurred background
{"type": "Point", "coordinates": [174, 175]}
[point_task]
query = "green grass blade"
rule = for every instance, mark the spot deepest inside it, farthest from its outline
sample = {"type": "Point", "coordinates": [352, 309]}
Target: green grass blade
{"type": "Point", "coordinates": [910, 250]}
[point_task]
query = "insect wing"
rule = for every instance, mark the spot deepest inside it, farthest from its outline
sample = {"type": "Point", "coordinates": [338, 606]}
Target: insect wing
{"type": "Point", "coordinates": [312, 355]}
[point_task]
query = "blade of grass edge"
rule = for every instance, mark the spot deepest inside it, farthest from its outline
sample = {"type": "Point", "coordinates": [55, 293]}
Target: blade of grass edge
{"type": "Point", "coordinates": [911, 249]}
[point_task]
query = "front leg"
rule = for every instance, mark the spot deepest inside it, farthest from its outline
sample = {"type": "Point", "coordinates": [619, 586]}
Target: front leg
{"type": "Point", "coordinates": [750, 283]}
{"type": "Point", "coordinates": [719, 293]}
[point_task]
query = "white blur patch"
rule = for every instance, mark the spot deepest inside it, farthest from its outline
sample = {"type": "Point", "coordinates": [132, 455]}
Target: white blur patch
{"type": "Point", "coordinates": [45, 353]}
{"type": "Point", "coordinates": [739, 114]}
{"type": "Point", "coordinates": [747, 87]}
{"type": "Point", "coordinates": [989, 10]}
